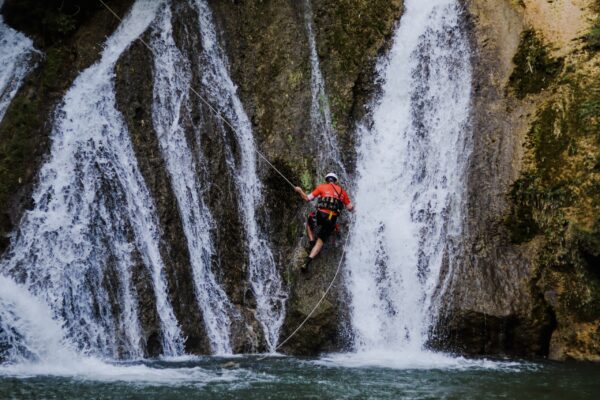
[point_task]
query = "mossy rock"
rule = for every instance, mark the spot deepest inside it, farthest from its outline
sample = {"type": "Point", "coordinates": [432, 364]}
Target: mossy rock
{"type": "Point", "coordinates": [534, 69]}
{"type": "Point", "coordinates": [556, 199]}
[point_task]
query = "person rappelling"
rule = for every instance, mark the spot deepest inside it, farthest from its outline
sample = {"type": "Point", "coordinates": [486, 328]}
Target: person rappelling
{"type": "Point", "coordinates": [332, 199]}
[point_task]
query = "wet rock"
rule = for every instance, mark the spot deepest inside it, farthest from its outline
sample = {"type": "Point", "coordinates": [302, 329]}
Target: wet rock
{"type": "Point", "coordinates": [230, 365]}
{"type": "Point", "coordinates": [267, 47]}
{"type": "Point", "coordinates": [525, 285]}
{"type": "Point", "coordinates": [326, 328]}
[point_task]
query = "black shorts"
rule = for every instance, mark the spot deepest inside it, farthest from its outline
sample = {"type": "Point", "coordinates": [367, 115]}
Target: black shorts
{"type": "Point", "coordinates": [321, 225]}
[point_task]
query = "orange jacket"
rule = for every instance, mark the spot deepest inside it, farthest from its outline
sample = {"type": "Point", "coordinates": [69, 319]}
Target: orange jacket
{"type": "Point", "coordinates": [330, 190]}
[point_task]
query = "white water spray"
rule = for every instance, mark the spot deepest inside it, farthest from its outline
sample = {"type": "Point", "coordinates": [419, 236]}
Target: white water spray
{"type": "Point", "coordinates": [27, 331]}
{"type": "Point", "coordinates": [329, 158]}
{"type": "Point", "coordinates": [411, 167]}
{"type": "Point", "coordinates": [32, 343]}
{"type": "Point", "coordinates": [92, 215]}
{"type": "Point", "coordinates": [16, 50]}
{"type": "Point", "coordinates": [171, 90]}
{"type": "Point", "coordinates": [262, 272]}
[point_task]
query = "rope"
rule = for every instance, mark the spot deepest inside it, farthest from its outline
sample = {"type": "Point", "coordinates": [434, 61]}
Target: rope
{"type": "Point", "coordinates": [215, 111]}
{"type": "Point", "coordinates": [218, 114]}
{"type": "Point", "coordinates": [337, 271]}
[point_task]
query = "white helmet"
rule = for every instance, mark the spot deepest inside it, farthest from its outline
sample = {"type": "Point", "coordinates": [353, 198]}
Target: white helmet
{"type": "Point", "coordinates": [331, 175]}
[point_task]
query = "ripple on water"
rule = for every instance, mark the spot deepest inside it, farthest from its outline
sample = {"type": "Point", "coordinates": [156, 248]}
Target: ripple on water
{"type": "Point", "coordinates": [334, 376]}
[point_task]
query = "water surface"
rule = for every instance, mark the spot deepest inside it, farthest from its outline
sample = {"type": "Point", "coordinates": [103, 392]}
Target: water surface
{"type": "Point", "coordinates": [331, 377]}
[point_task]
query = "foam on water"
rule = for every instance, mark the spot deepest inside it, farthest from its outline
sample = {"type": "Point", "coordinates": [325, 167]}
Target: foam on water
{"type": "Point", "coordinates": [409, 193]}
{"type": "Point", "coordinates": [423, 360]}
{"type": "Point", "coordinates": [97, 370]}
{"type": "Point", "coordinates": [35, 344]}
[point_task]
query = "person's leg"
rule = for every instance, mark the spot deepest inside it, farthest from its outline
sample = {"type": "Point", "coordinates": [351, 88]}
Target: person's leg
{"type": "Point", "coordinates": [317, 248]}
{"type": "Point", "coordinates": [309, 232]}
{"type": "Point", "coordinates": [311, 224]}
{"type": "Point", "coordinates": [314, 226]}
{"type": "Point", "coordinates": [326, 226]}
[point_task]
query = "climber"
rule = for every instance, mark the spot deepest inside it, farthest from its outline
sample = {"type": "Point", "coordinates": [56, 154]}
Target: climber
{"type": "Point", "coordinates": [332, 200]}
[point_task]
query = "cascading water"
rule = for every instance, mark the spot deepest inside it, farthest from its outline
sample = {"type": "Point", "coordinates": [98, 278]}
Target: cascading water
{"type": "Point", "coordinates": [33, 343]}
{"type": "Point", "coordinates": [411, 165]}
{"type": "Point", "coordinates": [329, 158]}
{"type": "Point", "coordinates": [262, 272]}
{"type": "Point", "coordinates": [15, 63]}
{"type": "Point", "coordinates": [27, 331]}
{"type": "Point", "coordinates": [171, 90]}
{"type": "Point", "coordinates": [93, 216]}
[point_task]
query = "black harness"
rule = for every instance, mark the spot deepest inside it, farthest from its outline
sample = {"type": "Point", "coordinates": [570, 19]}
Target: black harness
{"type": "Point", "coordinates": [331, 203]}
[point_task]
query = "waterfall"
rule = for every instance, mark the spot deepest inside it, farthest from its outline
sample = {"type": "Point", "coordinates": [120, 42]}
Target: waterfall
{"type": "Point", "coordinates": [93, 217]}
{"type": "Point", "coordinates": [32, 343]}
{"type": "Point", "coordinates": [171, 90]}
{"type": "Point", "coordinates": [411, 169]}
{"type": "Point", "coordinates": [263, 276]}
{"type": "Point", "coordinates": [329, 158]}
{"type": "Point", "coordinates": [15, 63]}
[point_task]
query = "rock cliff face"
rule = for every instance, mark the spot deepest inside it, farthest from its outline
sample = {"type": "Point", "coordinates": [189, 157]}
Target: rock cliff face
{"type": "Point", "coordinates": [529, 281]}
{"type": "Point", "coordinates": [267, 48]}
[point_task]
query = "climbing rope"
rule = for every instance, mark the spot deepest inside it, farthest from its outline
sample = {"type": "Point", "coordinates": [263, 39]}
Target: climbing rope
{"type": "Point", "coordinates": [215, 111]}
{"type": "Point", "coordinates": [337, 271]}
{"type": "Point", "coordinates": [219, 115]}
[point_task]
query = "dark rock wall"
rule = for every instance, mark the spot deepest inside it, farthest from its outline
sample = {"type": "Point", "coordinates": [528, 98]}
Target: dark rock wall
{"type": "Point", "coordinates": [528, 280]}
{"type": "Point", "coordinates": [268, 51]}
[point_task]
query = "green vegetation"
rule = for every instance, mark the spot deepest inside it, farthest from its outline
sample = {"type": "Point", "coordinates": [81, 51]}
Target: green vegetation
{"type": "Point", "coordinates": [306, 180]}
{"type": "Point", "coordinates": [351, 33]}
{"type": "Point", "coordinates": [534, 69]}
{"type": "Point", "coordinates": [592, 38]}
{"type": "Point", "coordinates": [563, 147]}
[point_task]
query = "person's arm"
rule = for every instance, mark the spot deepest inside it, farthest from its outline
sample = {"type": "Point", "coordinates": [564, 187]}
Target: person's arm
{"type": "Point", "coordinates": [299, 190]}
{"type": "Point", "coordinates": [307, 197]}
{"type": "Point", "coordinates": [347, 202]}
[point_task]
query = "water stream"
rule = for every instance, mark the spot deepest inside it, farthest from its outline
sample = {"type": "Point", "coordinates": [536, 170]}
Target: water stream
{"type": "Point", "coordinates": [329, 158]}
{"type": "Point", "coordinates": [171, 96]}
{"type": "Point", "coordinates": [411, 169]}
{"type": "Point", "coordinates": [16, 61]}
{"type": "Point", "coordinates": [263, 274]}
